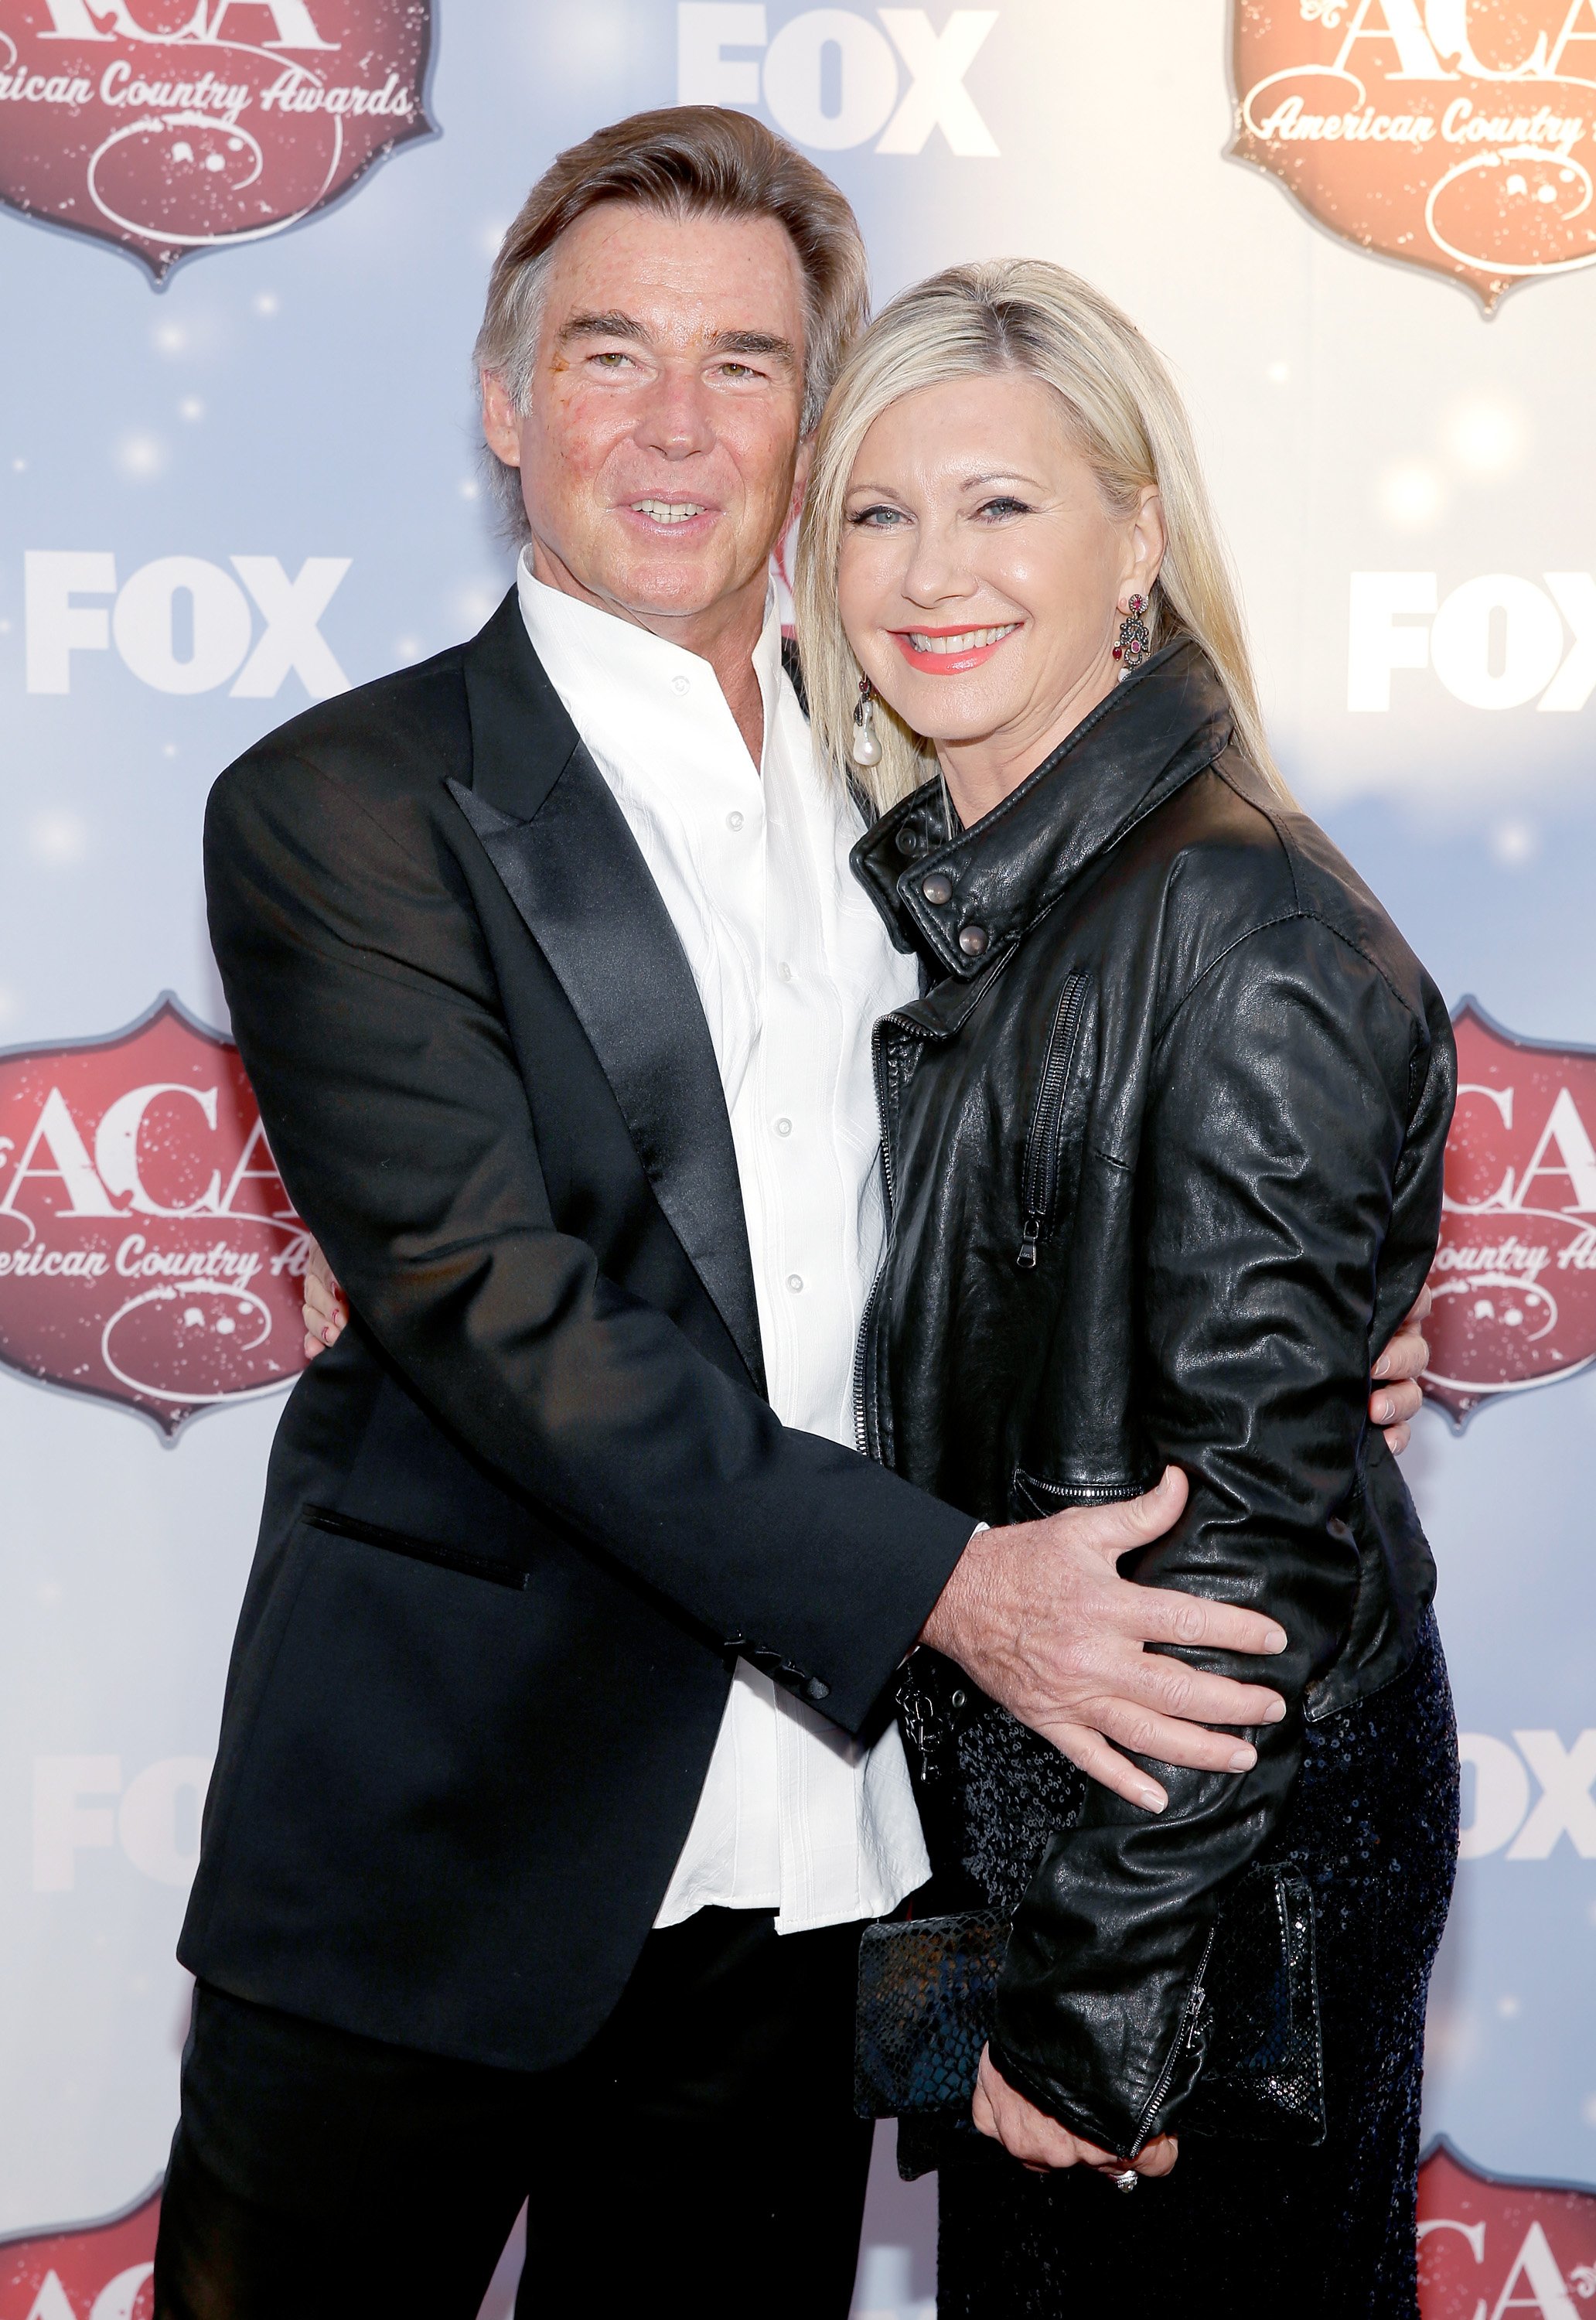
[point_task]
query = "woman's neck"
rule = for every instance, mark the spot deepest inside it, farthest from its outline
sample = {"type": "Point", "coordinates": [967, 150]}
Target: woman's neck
{"type": "Point", "coordinates": [981, 774]}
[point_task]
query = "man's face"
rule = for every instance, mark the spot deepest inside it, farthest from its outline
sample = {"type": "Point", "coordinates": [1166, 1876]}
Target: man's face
{"type": "Point", "coordinates": [660, 452]}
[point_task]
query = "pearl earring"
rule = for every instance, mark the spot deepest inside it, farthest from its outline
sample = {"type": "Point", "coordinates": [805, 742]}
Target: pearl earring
{"type": "Point", "coordinates": [866, 749]}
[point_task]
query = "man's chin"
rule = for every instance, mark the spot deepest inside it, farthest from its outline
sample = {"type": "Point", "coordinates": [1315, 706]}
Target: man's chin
{"type": "Point", "coordinates": [669, 587]}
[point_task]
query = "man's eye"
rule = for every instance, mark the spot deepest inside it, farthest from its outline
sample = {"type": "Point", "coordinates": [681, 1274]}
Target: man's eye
{"type": "Point", "coordinates": [612, 358]}
{"type": "Point", "coordinates": [877, 518]}
{"type": "Point", "coordinates": [1005, 505]}
{"type": "Point", "coordinates": [741, 370]}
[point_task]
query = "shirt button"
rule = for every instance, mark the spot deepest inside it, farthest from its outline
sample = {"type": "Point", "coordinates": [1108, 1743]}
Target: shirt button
{"type": "Point", "coordinates": [938, 888]}
{"type": "Point", "coordinates": [973, 940]}
{"type": "Point", "coordinates": [785, 971]}
{"type": "Point", "coordinates": [794, 1283]}
{"type": "Point", "coordinates": [784, 1128]}
{"type": "Point", "coordinates": [680, 684]}
{"type": "Point", "coordinates": [734, 819]}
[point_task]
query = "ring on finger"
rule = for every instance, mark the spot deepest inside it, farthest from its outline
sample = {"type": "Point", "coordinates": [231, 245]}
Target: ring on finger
{"type": "Point", "coordinates": [1126, 2179]}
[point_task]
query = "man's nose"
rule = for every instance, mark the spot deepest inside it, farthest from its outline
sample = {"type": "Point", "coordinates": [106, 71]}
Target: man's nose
{"type": "Point", "coordinates": [677, 420]}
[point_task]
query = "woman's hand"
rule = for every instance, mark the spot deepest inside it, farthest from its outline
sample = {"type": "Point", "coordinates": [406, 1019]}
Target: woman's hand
{"type": "Point", "coordinates": [1397, 1395]}
{"type": "Point", "coordinates": [1027, 2134]}
{"type": "Point", "coordinates": [326, 1307]}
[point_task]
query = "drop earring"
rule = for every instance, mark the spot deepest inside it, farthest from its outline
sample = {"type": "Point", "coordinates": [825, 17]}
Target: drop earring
{"type": "Point", "coordinates": [865, 749]}
{"type": "Point", "coordinates": [1132, 647]}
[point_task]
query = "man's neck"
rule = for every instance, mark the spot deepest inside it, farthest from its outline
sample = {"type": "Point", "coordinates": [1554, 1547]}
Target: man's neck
{"type": "Point", "coordinates": [724, 634]}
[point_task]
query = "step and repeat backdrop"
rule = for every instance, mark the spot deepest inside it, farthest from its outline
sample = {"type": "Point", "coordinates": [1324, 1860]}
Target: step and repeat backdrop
{"type": "Point", "coordinates": [242, 251]}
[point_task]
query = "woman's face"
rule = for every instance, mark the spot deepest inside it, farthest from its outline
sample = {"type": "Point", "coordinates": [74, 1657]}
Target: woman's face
{"type": "Point", "coordinates": [982, 580]}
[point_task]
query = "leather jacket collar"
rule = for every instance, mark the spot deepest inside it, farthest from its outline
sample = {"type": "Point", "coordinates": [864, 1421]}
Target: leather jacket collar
{"type": "Point", "coordinates": [965, 902]}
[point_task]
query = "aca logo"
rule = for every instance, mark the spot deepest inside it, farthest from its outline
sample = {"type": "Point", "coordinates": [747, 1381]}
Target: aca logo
{"type": "Point", "coordinates": [1488, 2246]}
{"type": "Point", "coordinates": [1515, 1275]}
{"type": "Point", "coordinates": [1453, 135]}
{"type": "Point", "coordinates": [170, 126]}
{"type": "Point", "coordinates": [149, 1252]}
{"type": "Point", "coordinates": [94, 2272]}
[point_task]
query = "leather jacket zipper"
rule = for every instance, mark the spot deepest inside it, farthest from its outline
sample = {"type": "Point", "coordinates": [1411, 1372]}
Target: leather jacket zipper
{"type": "Point", "coordinates": [1040, 1184]}
{"type": "Point", "coordinates": [863, 1430]}
{"type": "Point", "coordinates": [1189, 2038]}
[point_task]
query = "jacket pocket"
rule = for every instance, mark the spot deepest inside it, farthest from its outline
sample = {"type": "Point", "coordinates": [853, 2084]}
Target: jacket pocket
{"type": "Point", "coordinates": [1029, 1495]}
{"type": "Point", "coordinates": [417, 1550]}
{"type": "Point", "coordinates": [1040, 1179]}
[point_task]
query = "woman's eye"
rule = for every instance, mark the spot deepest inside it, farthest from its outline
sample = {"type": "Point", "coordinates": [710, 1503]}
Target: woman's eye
{"type": "Point", "coordinates": [1006, 505]}
{"type": "Point", "coordinates": [877, 518]}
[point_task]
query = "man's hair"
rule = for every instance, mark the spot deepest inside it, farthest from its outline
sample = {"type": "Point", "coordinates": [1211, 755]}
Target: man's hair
{"type": "Point", "coordinates": [689, 160]}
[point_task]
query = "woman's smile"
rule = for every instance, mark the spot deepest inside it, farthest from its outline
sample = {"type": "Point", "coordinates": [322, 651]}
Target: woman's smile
{"type": "Point", "coordinates": [950, 652]}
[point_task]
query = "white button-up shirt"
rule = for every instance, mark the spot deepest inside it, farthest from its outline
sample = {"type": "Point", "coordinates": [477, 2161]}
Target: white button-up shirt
{"type": "Point", "coordinates": [793, 967]}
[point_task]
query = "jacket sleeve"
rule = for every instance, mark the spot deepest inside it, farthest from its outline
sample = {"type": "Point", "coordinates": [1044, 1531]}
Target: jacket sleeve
{"type": "Point", "coordinates": [1290, 1185]}
{"type": "Point", "coordinates": [366, 1009]}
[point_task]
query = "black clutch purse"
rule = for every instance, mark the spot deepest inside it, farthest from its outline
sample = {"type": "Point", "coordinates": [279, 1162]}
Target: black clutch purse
{"type": "Point", "coordinates": [928, 1991]}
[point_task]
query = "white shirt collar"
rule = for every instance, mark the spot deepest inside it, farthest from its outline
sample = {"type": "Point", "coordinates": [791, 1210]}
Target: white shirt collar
{"type": "Point", "coordinates": [615, 676]}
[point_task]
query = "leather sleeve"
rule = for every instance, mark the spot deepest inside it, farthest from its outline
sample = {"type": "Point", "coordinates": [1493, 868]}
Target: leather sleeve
{"type": "Point", "coordinates": [1290, 1188]}
{"type": "Point", "coordinates": [365, 1005]}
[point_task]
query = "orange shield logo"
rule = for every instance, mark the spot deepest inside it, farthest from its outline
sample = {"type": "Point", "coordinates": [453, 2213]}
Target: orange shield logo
{"type": "Point", "coordinates": [168, 127]}
{"type": "Point", "coordinates": [86, 2271]}
{"type": "Point", "coordinates": [1456, 135]}
{"type": "Point", "coordinates": [1515, 1275]}
{"type": "Point", "coordinates": [1487, 2244]}
{"type": "Point", "coordinates": [149, 1252]}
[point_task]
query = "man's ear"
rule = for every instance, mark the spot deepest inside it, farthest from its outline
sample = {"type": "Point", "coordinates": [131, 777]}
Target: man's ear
{"type": "Point", "coordinates": [501, 421]}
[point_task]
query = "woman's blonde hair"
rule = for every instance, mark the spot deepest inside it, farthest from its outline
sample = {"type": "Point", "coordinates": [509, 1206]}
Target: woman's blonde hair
{"type": "Point", "coordinates": [1020, 314]}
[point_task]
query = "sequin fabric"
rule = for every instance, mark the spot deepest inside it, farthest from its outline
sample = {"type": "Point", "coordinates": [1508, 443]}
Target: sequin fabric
{"type": "Point", "coordinates": [1242, 2229]}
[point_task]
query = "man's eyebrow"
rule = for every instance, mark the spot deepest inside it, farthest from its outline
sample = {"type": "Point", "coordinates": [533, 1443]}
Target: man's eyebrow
{"type": "Point", "coordinates": [612, 325]}
{"type": "Point", "coordinates": [756, 342]}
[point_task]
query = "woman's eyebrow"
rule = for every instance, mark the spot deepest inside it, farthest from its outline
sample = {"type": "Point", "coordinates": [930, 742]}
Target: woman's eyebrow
{"type": "Point", "coordinates": [1001, 476]}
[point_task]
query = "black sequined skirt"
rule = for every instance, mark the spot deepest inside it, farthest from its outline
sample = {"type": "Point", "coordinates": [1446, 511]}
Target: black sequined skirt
{"type": "Point", "coordinates": [1245, 2229]}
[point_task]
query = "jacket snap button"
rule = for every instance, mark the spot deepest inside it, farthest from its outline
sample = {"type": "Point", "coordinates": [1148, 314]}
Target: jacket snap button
{"type": "Point", "coordinates": [973, 940]}
{"type": "Point", "coordinates": [907, 842]}
{"type": "Point", "coordinates": [937, 888]}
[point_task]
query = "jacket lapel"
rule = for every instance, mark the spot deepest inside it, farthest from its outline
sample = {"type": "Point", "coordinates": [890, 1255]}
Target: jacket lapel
{"type": "Point", "coordinates": [556, 836]}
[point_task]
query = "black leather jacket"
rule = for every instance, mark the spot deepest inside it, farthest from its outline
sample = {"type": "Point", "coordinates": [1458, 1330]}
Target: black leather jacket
{"type": "Point", "coordinates": [1164, 1142]}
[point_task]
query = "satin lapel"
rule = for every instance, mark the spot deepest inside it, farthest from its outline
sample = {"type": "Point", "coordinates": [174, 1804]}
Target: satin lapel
{"type": "Point", "coordinates": [555, 835]}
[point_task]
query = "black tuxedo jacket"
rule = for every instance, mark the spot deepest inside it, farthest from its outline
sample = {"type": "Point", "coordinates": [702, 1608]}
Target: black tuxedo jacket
{"type": "Point", "coordinates": [522, 1519]}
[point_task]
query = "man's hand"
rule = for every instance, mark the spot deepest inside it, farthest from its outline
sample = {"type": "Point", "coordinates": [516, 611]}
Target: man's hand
{"type": "Point", "coordinates": [1397, 1393]}
{"type": "Point", "coordinates": [1027, 2134]}
{"type": "Point", "coordinates": [1041, 1619]}
{"type": "Point", "coordinates": [326, 1307]}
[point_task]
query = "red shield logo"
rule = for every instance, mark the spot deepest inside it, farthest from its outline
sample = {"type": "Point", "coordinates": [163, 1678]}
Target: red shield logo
{"type": "Point", "coordinates": [1453, 135]}
{"type": "Point", "coordinates": [1487, 2244]}
{"type": "Point", "coordinates": [172, 126]}
{"type": "Point", "coordinates": [97, 2271]}
{"type": "Point", "coordinates": [149, 1252]}
{"type": "Point", "coordinates": [1515, 1275]}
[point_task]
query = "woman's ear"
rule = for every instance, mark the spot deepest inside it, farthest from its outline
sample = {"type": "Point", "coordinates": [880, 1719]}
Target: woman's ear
{"type": "Point", "coordinates": [1146, 544]}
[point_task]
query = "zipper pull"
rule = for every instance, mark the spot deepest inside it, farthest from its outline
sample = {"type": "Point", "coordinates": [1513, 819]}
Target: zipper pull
{"type": "Point", "coordinates": [1197, 2035]}
{"type": "Point", "coordinates": [1026, 1257]}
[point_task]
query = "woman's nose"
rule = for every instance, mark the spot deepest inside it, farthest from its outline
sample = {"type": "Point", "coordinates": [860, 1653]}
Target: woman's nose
{"type": "Point", "coordinates": [935, 571]}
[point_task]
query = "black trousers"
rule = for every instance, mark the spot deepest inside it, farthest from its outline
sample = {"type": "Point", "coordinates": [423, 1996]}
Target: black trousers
{"type": "Point", "coordinates": [702, 2150]}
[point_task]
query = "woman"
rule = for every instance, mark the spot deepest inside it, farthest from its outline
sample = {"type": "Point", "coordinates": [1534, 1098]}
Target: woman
{"type": "Point", "coordinates": [1164, 1138]}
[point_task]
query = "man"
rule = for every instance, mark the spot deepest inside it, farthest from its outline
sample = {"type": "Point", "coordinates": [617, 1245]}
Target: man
{"type": "Point", "coordinates": [556, 1774]}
